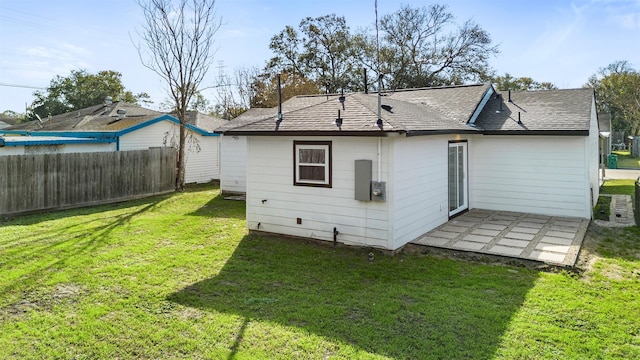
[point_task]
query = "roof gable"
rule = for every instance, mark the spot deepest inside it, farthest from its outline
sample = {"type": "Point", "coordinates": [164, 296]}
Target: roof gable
{"type": "Point", "coordinates": [538, 111]}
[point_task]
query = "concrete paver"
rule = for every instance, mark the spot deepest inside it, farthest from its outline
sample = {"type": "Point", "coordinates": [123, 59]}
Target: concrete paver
{"type": "Point", "coordinates": [562, 234]}
{"type": "Point", "coordinates": [554, 240]}
{"type": "Point", "coordinates": [507, 250]}
{"type": "Point", "coordinates": [485, 232]}
{"type": "Point", "coordinates": [478, 238]}
{"type": "Point", "coordinates": [525, 230]}
{"type": "Point", "coordinates": [519, 236]}
{"type": "Point", "coordinates": [515, 243]}
{"type": "Point", "coordinates": [468, 245]}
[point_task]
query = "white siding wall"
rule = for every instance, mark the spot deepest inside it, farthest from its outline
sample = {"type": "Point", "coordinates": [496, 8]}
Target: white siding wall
{"type": "Point", "coordinates": [593, 155]}
{"type": "Point", "coordinates": [275, 203]}
{"type": "Point", "coordinates": [419, 186]}
{"type": "Point", "coordinates": [57, 149]}
{"type": "Point", "coordinates": [533, 174]}
{"type": "Point", "coordinates": [12, 150]}
{"type": "Point", "coordinates": [233, 165]}
{"type": "Point", "coordinates": [203, 166]}
{"type": "Point", "coordinates": [202, 161]}
{"type": "Point", "coordinates": [155, 135]}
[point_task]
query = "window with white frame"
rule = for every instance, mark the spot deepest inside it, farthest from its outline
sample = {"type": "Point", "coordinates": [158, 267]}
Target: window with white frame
{"type": "Point", "coordinates": [312, 165]}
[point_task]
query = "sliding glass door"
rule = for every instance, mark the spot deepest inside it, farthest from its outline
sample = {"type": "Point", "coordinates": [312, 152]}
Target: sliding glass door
{"type": "Point", "coordinates": [458, 193]}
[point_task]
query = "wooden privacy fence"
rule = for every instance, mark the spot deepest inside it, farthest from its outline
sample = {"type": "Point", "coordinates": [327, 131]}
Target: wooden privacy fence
{"type": "Point", "coordinates": [55, 181]}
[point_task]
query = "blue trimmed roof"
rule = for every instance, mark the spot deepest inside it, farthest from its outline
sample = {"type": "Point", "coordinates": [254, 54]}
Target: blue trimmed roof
{"type": "Point", "coordinates": [50, 140]}
{"type": "Point", "coordinates": [110, 121]}
{"type": "Point", "coordinates": [76, 137]}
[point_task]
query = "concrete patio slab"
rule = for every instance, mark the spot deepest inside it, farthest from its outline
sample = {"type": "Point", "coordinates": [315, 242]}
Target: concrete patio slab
{"type": "Point", "coordinates": [552, 240]}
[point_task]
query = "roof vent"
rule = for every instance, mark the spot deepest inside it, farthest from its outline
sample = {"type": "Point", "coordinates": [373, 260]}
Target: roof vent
{"type": "Point", "coordinates": [108, 100]}
{"type": "Point", "coordinates": [387, 107]}
{"type": "Point", "coordinates": [122, 113]}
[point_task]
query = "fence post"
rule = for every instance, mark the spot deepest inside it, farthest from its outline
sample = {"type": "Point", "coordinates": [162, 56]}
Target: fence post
{"type": "Point", "coordinates": [637, 202]}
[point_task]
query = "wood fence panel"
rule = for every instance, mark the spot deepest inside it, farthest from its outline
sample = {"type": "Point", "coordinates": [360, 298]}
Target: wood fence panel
{"type": "Point", "coordinates": [30, 183]}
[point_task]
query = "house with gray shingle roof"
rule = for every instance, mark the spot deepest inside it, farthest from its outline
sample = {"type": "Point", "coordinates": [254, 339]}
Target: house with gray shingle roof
{"type": "Point", "coordinates": [119, 126]}
{"type": "Point", "coordinates": [330, 168]}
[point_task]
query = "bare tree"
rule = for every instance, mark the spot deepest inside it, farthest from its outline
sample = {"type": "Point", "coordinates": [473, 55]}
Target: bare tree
{"type": "Point", "coordinates": [177, 43]}
{"type": "Point", "coordinates": [234, 92]}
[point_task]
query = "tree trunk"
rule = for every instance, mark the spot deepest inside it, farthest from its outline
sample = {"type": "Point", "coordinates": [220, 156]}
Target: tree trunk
{"type": "Point", "coordinates": [180, 178]}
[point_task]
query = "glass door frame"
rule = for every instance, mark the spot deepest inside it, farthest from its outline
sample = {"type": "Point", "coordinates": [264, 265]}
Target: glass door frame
{"type": "Point", "coordinates": [463, 203]}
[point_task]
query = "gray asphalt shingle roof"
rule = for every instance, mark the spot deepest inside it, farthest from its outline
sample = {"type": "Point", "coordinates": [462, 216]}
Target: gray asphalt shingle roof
{"type": "Point", "coordinates": [105, 118]}
{"type": "Point", "coordinates": [435, 109]}
{"type": "Point", "coordinates": [542, 110]}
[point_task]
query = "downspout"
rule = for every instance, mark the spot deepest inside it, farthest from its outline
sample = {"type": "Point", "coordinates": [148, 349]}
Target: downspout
{"type": "Point", "coordinates": [379, 159]}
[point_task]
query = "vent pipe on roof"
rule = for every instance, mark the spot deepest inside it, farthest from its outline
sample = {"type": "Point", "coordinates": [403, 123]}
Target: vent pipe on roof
{"type": "Point", "coordinates": [510, 97]}
{"type": "Point", "coordinates": [519, 121]}
{"type": "Point", "coordinates": [366, 84]}
{"type": "Point", "coordinates": [122, 113]}
{"type": "Point", "coordinates": [108, 100]}
{"type": "Point", "coordinates": [279, 118]}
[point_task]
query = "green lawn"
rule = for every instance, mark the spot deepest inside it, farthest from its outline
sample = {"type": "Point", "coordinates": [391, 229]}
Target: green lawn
{"type": "Point", "coordinates": [626, 161]}
{"type": "Point", "coordinates": [177, 276]}
{"type": "Point", "coordinates": [619, 186]}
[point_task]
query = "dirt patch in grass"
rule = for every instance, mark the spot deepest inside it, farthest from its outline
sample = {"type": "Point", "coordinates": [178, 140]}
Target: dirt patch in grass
{"type": "Point", "coordinates": [43, 300]}
{"type": "Point", "coordinates": [603, 251]}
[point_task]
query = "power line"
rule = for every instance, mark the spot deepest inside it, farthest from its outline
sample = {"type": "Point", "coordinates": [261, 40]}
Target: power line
{"type": "Point", "coordinates": [23, 86]}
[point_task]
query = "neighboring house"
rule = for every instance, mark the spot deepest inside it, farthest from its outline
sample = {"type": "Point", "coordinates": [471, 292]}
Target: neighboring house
{"type": "Point", "coordinates": [125, 127]}
{"type": "Point", "coordinates": [27, 145]}
{"type": "Point", "coordinates": [6, 122]}
{"type": "Point", "coordinates": [330, 170]}
{"type": "Point", "coordinates": [604, 126]}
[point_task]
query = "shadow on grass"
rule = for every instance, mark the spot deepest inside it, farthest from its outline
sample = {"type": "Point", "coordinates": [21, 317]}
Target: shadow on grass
{"type": "Point", "coordinates": [45, 252]}
{"type": "Point", "coordinates": [407, 306]}
{"type": "Point", "coordinates": [49, 215]}
{"type": "Point", "coordinates": [218, 207]}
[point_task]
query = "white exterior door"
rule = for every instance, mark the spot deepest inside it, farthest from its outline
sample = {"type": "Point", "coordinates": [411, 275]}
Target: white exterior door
{"type": "Point", "coordinates": [458, 186]}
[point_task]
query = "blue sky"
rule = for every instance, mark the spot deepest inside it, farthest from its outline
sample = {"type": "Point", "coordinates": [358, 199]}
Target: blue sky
{"type": "Point", "coordinates": [559, 41]}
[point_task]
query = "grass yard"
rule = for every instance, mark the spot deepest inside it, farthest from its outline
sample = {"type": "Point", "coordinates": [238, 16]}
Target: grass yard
{"type": "Point", "coordinates": [177, 276]}
{"type": "Point", "coordinates": [626, 161]}
{"type": "Point", "coordinates": [619, 186]}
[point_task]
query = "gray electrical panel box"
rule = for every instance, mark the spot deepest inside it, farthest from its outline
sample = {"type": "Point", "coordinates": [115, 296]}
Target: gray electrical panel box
{"type": "Point", "coordinates": [378, 191]}
{"type": "Point", "coordinates": [362, 177]}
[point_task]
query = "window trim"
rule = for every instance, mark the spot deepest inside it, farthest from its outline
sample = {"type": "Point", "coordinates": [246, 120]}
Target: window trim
{"type": "Point", "coordinates": [324, 145]}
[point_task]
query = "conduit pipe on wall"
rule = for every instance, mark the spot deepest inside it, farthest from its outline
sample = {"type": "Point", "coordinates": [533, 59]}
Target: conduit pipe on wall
{"type": "Point", "coordinates": [379, 159]}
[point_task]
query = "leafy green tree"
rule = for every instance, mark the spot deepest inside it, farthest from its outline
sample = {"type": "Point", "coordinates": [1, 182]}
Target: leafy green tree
{"type": "Point", "coordinates": [319, 51]}
{"type": "Point", "coordinates": [266, 89]}
{"type": "Point", "coordinates": [418, 47]}
{"type": "Point", "coordinates": [15, 116]}
{"type": "Point", "coordinates": [617, 89]}
{"type": "Point", "coordinates": [80, 90]}
{"type": "Point", "coordinates": [508, 82]}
